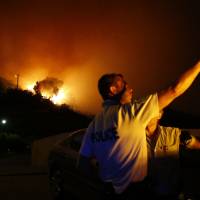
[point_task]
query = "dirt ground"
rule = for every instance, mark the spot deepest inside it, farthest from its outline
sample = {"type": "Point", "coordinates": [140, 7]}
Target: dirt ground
{"type": "Point", "coordinates": [19, 181]}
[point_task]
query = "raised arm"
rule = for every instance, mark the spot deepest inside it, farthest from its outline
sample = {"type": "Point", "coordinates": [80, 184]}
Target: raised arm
{"type": "Point", "coordinates": [165, 97]}
{"type": "Point", "coordinates": [194, 144]}
{"type": "Point", "coordinates": [189, 141]}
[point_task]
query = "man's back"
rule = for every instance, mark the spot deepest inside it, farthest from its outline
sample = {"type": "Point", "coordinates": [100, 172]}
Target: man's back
{"type": "Point", "coordinates": [116, 137]}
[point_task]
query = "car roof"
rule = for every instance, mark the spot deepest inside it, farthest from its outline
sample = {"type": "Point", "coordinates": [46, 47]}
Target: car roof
{"type": "Point", "coordinates": [69, 136]}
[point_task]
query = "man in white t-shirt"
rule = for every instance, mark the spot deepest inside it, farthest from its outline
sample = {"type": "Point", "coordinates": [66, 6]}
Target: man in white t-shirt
{"type": "Point", "coordinates": [116, 137]}
{"type": "Point", "coordinates": [163, 144]}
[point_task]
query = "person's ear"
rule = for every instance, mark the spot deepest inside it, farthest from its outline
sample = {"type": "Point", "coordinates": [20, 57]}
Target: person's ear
{"type": "Point", "coordinates": [113, 90]}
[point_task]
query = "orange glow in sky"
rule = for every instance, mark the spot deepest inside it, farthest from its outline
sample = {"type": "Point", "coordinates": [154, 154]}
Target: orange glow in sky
{"type": "Point", "coordinates": [78, 41]}
{"type": "Point", "coordinates": [30, 87]}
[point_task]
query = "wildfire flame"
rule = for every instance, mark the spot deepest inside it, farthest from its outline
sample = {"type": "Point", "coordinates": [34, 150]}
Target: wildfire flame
{"type": "Point", "coordinates": [30, 87]}
{"type": "Point", "coordinates": [58, 99]}
{"type": "Point", "coordinates": [62, 96]}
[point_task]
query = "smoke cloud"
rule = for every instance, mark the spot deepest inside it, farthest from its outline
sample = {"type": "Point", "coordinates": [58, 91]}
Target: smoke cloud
{"type": "Point", "coordinates": [5, 84]}
{"type": "Point", "coordinates": [49, 85]}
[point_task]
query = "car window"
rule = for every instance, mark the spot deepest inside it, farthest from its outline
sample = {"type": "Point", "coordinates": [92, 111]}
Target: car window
{"type": "Point", "coordinates": [76, 140]}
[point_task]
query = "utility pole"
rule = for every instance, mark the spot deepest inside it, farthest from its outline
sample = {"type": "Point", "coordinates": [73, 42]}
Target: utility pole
{"type": "Point", "coordinates": [17, 77]}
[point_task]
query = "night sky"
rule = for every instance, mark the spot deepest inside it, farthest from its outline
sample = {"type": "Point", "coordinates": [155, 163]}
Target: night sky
{"type": "Point", "coordinates": [77, 41]}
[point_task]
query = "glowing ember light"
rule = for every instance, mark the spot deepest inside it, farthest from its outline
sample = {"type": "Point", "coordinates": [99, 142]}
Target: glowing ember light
{"type": "Point", "coordinates": [46, 95]}
{"type": "Point", "coordinates": [58, 99]}
{"type": "Point", "coordinates": [62, 96]}
{"type": "Point", "coordinates": [30, 87]}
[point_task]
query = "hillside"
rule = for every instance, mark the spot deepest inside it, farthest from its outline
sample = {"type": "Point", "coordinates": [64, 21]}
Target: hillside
{"type": "Point", "coordinates": [32, 115]}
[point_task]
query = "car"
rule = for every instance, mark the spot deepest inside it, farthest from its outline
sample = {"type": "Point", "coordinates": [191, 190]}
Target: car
{"type": "Point", "coordinates": [66, 181]}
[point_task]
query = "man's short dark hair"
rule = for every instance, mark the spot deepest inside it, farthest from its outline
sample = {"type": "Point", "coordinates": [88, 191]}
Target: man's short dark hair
{"type": "Point", "coordinates": [104, 84]}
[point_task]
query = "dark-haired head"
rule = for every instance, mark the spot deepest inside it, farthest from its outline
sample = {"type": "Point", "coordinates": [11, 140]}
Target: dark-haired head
{"type": "Point", "coordinates": [104, 84]}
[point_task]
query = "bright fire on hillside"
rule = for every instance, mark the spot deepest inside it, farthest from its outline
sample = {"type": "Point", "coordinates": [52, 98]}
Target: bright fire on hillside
{"type": "Point", "coordinates": [56, 93]}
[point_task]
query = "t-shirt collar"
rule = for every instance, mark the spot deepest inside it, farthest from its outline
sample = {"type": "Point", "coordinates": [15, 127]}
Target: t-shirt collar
{"type": "Point", "coordinates": [110, 102]}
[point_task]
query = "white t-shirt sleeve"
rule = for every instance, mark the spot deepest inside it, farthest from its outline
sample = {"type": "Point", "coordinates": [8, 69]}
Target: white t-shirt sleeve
{"type": "Point", "coordinates": [87, 145]}
{"type": "Point", "coordinates": [149, 110]}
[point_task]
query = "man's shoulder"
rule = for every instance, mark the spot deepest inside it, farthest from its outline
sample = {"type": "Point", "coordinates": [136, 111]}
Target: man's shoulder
{"type": "Point", "coordinates": [141, 100]}
{"type": "Point", "coordinates": [139, 103]}
{"type": "Point", "coordinates": [167, 130]}
{"type": "Point", "coordinates": [170, 135]}
{"type": "Point", "coordinates": [185, 137]}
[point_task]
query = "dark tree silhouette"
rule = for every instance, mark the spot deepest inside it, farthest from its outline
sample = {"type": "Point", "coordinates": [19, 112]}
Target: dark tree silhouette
{"type": "Point", "coordinates": [32, 116]}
